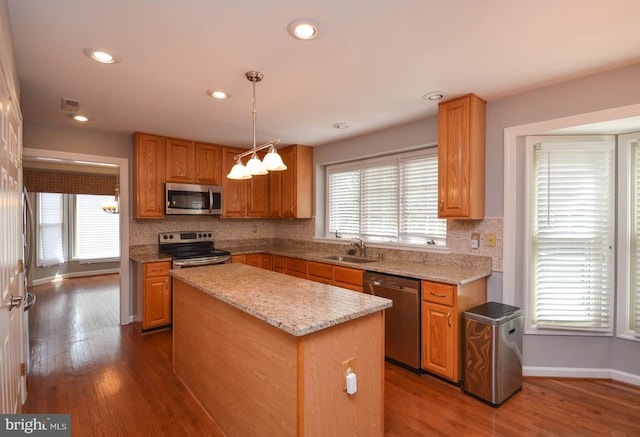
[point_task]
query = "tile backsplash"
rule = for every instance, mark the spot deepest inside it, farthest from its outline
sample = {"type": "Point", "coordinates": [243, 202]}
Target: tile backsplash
{"type": "Point", "coordinates": [238, 232]}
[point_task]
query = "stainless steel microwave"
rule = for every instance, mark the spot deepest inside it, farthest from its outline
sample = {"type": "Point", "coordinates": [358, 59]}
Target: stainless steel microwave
{"type": "Point", "coordinates": [193, 199]}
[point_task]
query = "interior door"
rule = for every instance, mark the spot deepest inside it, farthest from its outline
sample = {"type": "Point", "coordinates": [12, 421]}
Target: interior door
{"type": "Point", "coordinates": [11, 284]}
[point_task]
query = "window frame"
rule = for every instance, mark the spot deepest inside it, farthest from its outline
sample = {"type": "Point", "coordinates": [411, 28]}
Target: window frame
{"type": "Point", "coordinates": [393, 158]}
{"type": "Point", "coordinates": [530, 327]}
{"type": "Point", "coordinates": [625, 209]}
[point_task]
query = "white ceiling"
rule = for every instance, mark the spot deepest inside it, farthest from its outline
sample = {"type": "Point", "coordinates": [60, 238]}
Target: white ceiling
{"type": "Point", "coordinates": [370, 66]}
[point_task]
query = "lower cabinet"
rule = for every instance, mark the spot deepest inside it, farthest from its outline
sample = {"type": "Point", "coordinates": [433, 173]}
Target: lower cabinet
{"type": "Point", "coordinates": [443, 307]}
{"type": "Point", "coordinates": [156, 295]}
{"type": "Point", "coordinates": [261, 260]}
{"type": "Point", "coordinates": [339, 276]}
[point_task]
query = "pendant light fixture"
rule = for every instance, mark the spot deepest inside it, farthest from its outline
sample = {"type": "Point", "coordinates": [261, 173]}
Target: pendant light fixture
{"type": "Point", "coordinates": [112, 206]}
{"type": "Point", "coordinates": [271, 162]}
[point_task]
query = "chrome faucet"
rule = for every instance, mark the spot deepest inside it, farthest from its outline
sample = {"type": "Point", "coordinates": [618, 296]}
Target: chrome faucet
{"type": "Point", "coordinates": [361, 247]}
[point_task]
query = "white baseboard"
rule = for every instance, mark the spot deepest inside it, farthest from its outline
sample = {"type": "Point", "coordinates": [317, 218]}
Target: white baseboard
{"type": "Point", "coordinates": [73, 275]}
{"type": "Point", "coordinates": [573, 372]}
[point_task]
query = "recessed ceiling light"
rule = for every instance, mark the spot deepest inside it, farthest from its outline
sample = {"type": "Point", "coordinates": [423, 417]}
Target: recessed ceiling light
{"type": "Point", "coordinates": [341, 125]}
{"type": "Point", "coordinates": [434, 95]}
{"type": "Point", "coordinates": [79, 118]}
{"type": "Point", "coordinates": [221, 95]}
{"type": "Point", "coordinates": [101, 56]}
{"type": "Point", "coordinates": [303, 29]}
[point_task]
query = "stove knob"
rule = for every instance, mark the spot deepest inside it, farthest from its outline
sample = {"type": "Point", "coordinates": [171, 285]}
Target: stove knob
{"type": "Point", "coordinates": [164, 237]}
{"type": "Point", "coordinates": [171, 237]}
{"type": "Point", "coordinates": [209, 235]}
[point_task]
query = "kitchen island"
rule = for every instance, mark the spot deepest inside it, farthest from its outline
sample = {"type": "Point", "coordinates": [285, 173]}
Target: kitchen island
{"type": "Point", "coordinates": [266, 353]}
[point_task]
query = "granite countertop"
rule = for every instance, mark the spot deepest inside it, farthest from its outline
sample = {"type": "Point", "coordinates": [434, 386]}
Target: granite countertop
{"type": "Point", "coordinates": [456, 274]}
{"type": "Point", "coordinates": [296, 306]}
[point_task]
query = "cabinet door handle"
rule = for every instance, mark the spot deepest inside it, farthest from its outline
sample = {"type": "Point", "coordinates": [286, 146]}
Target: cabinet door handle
{"type": "Point", "coordinates": [437, 294]}
{"type": "Point", "coordinates": [449, 318]}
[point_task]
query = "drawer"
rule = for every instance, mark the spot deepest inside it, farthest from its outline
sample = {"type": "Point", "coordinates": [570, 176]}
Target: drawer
{"type": "Point", "coordinates": [438, 293]}
{"type": "Point", "coordinates": [344, 275]}
{"type": "Point", "coordinates": [279, 262]}
{"type": "Point", "coordinates": [319, 270]}
{"type": "Point", "coordinates": [157, 269]}
{"type": "Point", "coordinates": [297, 265]}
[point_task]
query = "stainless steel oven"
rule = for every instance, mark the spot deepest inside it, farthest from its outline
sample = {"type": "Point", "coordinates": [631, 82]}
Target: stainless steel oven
{"type": "Point", "coordinates": [191, 249]}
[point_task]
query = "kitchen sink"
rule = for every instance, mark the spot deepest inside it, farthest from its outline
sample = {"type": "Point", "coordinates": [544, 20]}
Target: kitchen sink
{"type": "Point", "coordinates": [349, 259]}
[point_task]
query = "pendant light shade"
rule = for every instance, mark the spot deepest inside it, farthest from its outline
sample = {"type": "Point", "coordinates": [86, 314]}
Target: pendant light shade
{"type": "Point", "coordinates": [255, 166]}
{"type": "Point", "coordinates": [239, 171]}
{"type": "Point", "coordinates": [271, 162]}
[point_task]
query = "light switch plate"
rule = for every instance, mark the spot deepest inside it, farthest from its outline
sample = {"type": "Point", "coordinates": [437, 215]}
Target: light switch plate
{"type": "Point", "coordinates": [490, 239]}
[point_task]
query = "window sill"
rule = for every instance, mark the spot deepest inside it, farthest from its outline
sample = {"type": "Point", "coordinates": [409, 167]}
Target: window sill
{"type": "Point", "coordinates": [628, 336]}
{"type": "Point", "coordinates": [532, 330]}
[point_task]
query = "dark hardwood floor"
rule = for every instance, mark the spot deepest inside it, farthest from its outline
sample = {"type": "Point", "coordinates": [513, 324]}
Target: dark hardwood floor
{"type": "Point", "coordinates": [115, 382]}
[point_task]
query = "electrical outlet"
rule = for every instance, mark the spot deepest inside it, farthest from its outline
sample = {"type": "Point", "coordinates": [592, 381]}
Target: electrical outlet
{"type": "Point", "coordinates": [475, 240]}
{"type": "Point", "coordinates": [348, 364]}
{"type": "Point", "coordinates": [490, 239]}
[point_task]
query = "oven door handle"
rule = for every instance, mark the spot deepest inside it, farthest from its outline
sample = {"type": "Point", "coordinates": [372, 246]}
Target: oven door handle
{"type": "Point", "coordinates": [199, 262]}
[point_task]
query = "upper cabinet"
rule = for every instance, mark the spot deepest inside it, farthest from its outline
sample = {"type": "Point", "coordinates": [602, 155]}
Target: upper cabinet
{"type": "Point", "coordinates": [461, 158]}
{"type": "Point", "coordinates": [148, 178]}
{"type": "Point", "coordinates": [243, 198]}
{"type": "Point", "coordinates": [189, 162]}
{"type": "Point", "coordinates": [294, 186]}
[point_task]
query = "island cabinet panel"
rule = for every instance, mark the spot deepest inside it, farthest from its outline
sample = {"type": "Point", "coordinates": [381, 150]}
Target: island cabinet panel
{"type": "Point", "coordinates": [242, 370]}
{"type": "Point", "coordinates": [461, 158]}
{"type": "Point", "coordinates": [148, 176]}
{"type": "Point", "coordinates": [257, 380]}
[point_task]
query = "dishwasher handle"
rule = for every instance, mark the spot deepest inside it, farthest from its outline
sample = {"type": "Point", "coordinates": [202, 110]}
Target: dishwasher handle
{"type": "Point", "coordinates": [392, 286]}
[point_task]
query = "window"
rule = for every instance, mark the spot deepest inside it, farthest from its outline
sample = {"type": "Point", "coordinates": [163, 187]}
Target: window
{"type": "Point", "coordinates": [572, 225]}
{"type": "Point", "coordinates": [629, 231]}
{"type": "Point", "coordinates": [392, 199]}
{"type": "Point", "coordinates": [51, 229]}
{"type": "Point", "coordinates": [97, 234]}
{"type": "Point", "coordinates": [78, 222]}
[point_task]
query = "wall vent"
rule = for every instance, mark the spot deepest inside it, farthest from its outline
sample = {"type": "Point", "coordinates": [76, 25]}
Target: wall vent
{"type": "Point", "coordinates": [70, 105]}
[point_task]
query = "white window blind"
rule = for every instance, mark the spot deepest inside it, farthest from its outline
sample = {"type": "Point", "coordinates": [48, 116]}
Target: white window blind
{"type": "Point", "coordinates": [389, 199]}
{"type": "Point", "coordinates": [97, 234]}
{"type": "Point", "coordinates": [573, 231]}
{"type": "Point", "coordinates": [51, 234]}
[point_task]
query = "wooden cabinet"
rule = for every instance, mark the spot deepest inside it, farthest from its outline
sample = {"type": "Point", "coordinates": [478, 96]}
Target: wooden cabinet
{"type": "Point", "coordinates": [339, 276]}
{"type": "Point", "coordinates": [296, 267]}
{"type": "Point", "coordinates": [243, 198]}
{"type": "Point", "coordinates": [261, 260]}
{"type": "Point", "coordinates": [193, 163]}
{"type": "Point", "coordinates": [461, 158]}
{"type": "Point", "coordinates": [156, 295]}
{"type": "Point", "coordinates": [292, 189]}
{"type": "Point", "coordinates": [348, 278]}
{"type": "Point", "coordinates": [443, 306]}
{"type": "Point", "coordinates": [279, 263]}
{"type": "Point", "coordinates": [148, 177]}
{"type": "Point", "coordinates": [320, 272]}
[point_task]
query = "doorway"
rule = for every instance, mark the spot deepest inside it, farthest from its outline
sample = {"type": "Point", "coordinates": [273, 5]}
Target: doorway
{"type": "Point", "coordinates": [122, 165]}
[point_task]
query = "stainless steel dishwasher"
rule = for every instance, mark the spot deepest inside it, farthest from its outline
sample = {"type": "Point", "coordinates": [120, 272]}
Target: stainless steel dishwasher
{"type": "Point", "coordinates": [402, 320]}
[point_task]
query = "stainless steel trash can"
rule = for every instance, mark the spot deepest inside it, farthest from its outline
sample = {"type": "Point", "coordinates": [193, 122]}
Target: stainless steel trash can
{"type": "Point", "coordinates": [493, 352]}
